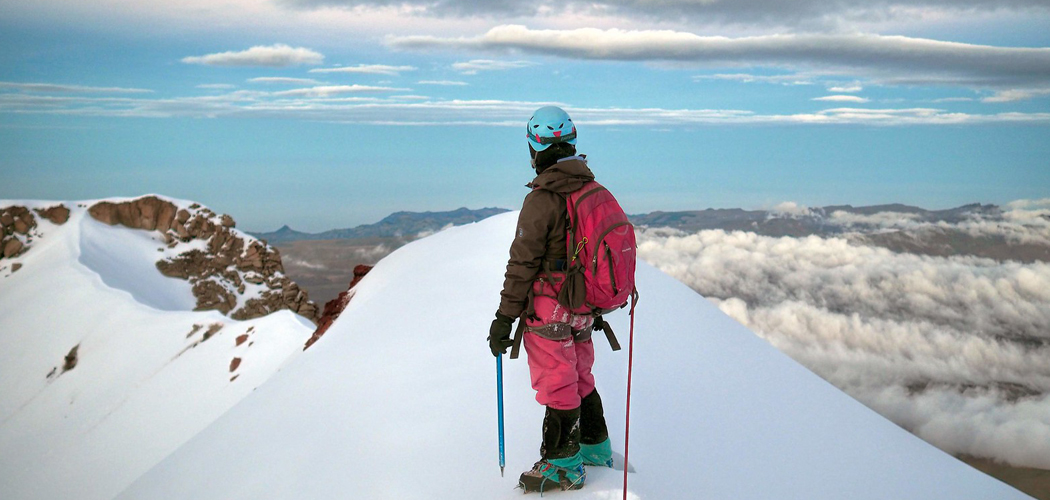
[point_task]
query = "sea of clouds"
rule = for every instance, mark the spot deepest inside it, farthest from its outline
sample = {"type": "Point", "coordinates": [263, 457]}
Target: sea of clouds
{"type": "Point", "coordinates": [953, 349]}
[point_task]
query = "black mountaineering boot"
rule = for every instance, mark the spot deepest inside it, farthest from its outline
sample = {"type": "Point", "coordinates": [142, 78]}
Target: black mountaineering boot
{"type": "Point", "coordinates": [561, 467]}
{"type": "Point", "coordinates": [595, 447]}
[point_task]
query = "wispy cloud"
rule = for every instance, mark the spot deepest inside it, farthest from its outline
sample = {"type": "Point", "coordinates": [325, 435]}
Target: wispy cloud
{"type": "Point", "coordinates": [841, 98]}
{"type": "Point", "coordinates": [368, 69]}
{"type": "Point", "coordinates": [342, 103]}
{"type": "Point", "coordinates": [332, 90]}
{"type": "Point", "coordinates": [792, 79]}
{"type": "Point", "coordinates": [1016, 95]}
{"type": "Point", "coordinates": [274, 56]}
{"type": "Point", "coordinates": [846, 89]}
{"type": "Point", "coordinates": [61, 88]}
{"type": "Point", "coordinates": [451, 83]}
{"type": "Point", "coordinates": [282, 80]}
{"type": "Point", "coordinates": [474, 66]}
{"type": "Point", "coordinates": [883, 59]}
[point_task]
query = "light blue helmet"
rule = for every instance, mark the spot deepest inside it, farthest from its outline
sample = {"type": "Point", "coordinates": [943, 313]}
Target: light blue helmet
{"type": "Point", "coordinates": [550, 125]}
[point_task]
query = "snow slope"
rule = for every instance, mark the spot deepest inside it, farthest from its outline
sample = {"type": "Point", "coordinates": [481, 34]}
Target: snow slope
{"type": "Point", "coordinates": [145, 380]}
{"type": "Point", "coordinates": [398, 401]}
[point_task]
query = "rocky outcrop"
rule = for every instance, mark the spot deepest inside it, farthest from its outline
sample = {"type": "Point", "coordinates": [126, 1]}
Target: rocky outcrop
{"type": "Point", "coordinates": [16, 225]}
{"type": "Point", "coordinates": [233, 273]}
{"type": "Point", "coordinates": [57, 215]}
{"type": "Point", "coordinates": [333, 308]}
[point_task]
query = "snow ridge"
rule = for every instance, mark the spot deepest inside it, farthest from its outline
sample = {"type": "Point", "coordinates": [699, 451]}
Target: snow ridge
{"type": "Point", "coordinates": [398, 401]}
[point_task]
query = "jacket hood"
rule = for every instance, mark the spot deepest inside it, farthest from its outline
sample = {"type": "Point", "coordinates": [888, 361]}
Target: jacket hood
{"type": "Point", "coordinates": [565, 176]}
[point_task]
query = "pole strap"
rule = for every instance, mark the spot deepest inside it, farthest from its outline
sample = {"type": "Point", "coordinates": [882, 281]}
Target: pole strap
{"type": "Point", "coordinates": [611, 336]}
{"type": "Point", "coordinates": [518, 334]}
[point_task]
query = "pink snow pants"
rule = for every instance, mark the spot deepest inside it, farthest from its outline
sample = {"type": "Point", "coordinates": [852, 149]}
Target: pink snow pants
{"type": "Point", "coordinates": [560, 368]}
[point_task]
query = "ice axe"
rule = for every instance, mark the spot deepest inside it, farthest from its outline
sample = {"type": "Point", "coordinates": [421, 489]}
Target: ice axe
{"type": "Point", "coordinates": [499, 406]}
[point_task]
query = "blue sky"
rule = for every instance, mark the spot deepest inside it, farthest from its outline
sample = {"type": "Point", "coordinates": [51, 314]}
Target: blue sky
{"type": "Point", "coordinates": [324, 114]}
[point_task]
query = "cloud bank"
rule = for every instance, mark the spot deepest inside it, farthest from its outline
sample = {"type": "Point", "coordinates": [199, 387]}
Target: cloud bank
{"type": "Point", "coordinates": [780, 13]}
{"type": "Point", "coordinates": [1024, 222]}
{"type": "Point", "coordinates": [953, 349]}
{"type": "Point", "coordinates": [885, 59]}
{"type": "Point", "coordinates": [273, 56]}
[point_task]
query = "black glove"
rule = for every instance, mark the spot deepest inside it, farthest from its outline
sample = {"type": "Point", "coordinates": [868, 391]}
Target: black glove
{"type": "Point", "coordinates": [499, 334]}
{"type": "Point", "coordinates": [599, 324]}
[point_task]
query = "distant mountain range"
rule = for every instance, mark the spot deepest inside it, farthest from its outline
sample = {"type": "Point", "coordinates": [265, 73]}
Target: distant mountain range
{"type": "Point", "coordinates": [807, 221]}
{"type": "Point", "coordinates": [795, 222]}
{"type": "Point", "coordinates": [398, 224]}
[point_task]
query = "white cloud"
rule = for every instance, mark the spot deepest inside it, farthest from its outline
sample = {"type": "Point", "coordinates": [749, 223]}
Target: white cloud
{"type": "Point", "coordinates": [275, 56]}
{"type": "Point", "coordinates": [1023, 222]}
{"type": "Point", "coordinates": [281, 80]}
{"type": "Point", "coordinates": [953, 349]}
{"type": "Point", "coordinates": [474, 66]}
{"type": "Point", "coordinates": [841, 98]}
{"type": "Point", "coordinates": [331, 90]}
{"type": "Point", "coordinates": [791, 209]}
{"type": "Point", "coordinates": [846, 89]}
{"type": "Point", "coordinates": [882, 59]}
{"type": "Point", "coordinates": [953, 99]}
{"type": "Point", "coordinates": [451, 83]}
{"type": "Point", "coordinates": [61, 88]}
{"type": "Point", "coordinates": [1016, 95]}
{"type": "Point", "coordinates": [368, 69]}
{"type": "Point", "coordinates": [792, 79]}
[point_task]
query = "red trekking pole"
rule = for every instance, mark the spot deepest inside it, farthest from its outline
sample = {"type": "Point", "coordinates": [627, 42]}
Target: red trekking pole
{"type": "Point", "coordinates": [627, 419]}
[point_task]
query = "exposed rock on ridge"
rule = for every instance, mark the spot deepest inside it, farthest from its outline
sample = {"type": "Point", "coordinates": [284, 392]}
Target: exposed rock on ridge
{"type": "Point", "coordinates": [233, 273]}
{"type": "Point", "coordinates": [17, 224]}
{"type": "Point", "coordinates": [333, 308]}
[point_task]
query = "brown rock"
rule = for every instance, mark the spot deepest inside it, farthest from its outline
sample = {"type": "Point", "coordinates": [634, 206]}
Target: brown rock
{"type": "Point", "coordinates": [104, 212]}
{"type": "Point", "coordinates": [142, 213]}
{"type": "Point", "coordinates": [212, 330]}
{"type": "Point", "coordinates": [71, 359]}
{"type": "Point", "coordinates": [234, 364]}
{"type": "Point", "coordinates": [333, 308]}
{"type": "Point", "coordinates": [227, 221]}
{"type": "Point", "coordinates": [213, 296]}
{"type": "Point", "coordinates": [307, 309]}
{"type": "Point", "coordinates": [57, 214]}
{"type": "Point", "coordinates": [184, 235]}
{"type": "Point", "coordinates": [12, 248]}
{"type": "Point", "coordinates": [15, 267]}
{"type": "Point", "coordinates": [21, 226]}
{"type": "Point", "coordinates": [242, 339]}
{"type": "Point", "coordinates": [182, 216]}
{"type": "Point", "coordinates": [6, 219]}
{"type": "Point", "coordinates": [166, 216]}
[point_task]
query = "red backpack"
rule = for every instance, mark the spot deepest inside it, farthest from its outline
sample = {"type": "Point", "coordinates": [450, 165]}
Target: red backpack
{"type": "Point", "coordinates": [601, 253]}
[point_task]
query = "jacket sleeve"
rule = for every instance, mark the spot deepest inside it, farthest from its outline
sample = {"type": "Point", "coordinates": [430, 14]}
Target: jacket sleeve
{"type": "Point", "coordinates": [527, 251]}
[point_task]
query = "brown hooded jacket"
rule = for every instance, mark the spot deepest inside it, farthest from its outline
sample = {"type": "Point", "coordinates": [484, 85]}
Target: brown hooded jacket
{"type": "Point", "coordinates": [541, 231]}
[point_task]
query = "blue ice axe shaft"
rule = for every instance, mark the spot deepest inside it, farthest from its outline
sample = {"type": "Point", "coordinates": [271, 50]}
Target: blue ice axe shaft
{"type": "Point", "coordinates": [499, 403]}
